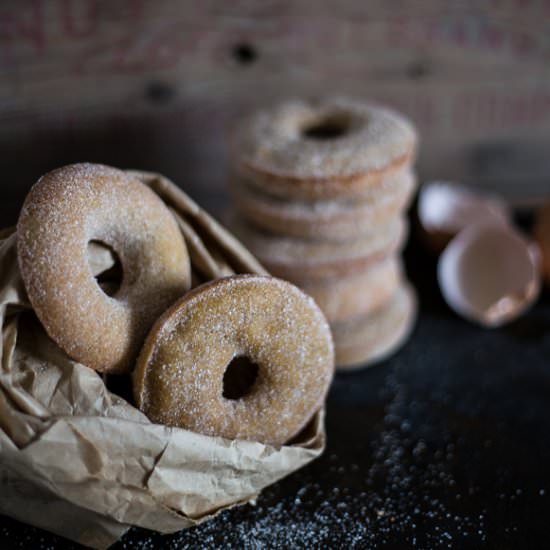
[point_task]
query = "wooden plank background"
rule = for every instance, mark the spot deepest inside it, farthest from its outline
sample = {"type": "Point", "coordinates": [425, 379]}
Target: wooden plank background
{"type": "Point", "coordinates": [158, 84]}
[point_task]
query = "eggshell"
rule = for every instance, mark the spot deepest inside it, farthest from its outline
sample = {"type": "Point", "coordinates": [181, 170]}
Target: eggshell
{"type": "Point", "coordinates": [446, 208]}
{"type": "Point", "coordinates": [490, 273]}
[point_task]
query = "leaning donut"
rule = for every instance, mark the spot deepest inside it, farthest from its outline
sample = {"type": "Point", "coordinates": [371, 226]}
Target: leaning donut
{"type": "Point", "coordinates": [265, 322]}
{"type": "Point", "coordinates": [65, 211]}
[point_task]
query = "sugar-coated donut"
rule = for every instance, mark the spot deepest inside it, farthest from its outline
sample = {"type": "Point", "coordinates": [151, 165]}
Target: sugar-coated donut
{"type": "Point", "coordinates": [309, 259]}
{"type": "Point", "coordinates": [66, 210]}
{"type": "Point", "coordinates": [361, 342]}
{"type": "Point", "coordinates": [179, 378]}
{"type": "Point", "coordinates": [324, 149]}
{"type": "Point", "coordinates": [331, 219]}
{"type": "Point", "coordinates": [356, 295]}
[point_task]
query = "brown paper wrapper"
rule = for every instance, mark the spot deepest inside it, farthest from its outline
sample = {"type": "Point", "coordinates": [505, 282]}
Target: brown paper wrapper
{"type": "Point", "coordinates": [80, 461]}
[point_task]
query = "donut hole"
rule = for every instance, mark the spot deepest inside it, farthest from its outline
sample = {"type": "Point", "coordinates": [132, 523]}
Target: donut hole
{"type": "Point", "coordinates": [327, 127]}
{"type": "Point", "coordinates": [239, 377]}
{"type": "Point", "coordinates": [106, 266]}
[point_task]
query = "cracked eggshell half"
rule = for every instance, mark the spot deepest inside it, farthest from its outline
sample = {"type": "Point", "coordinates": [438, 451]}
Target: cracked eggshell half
{"type": "Point", "coordinates": [446, 208]}
{"type": "Point", "coordinates": [489, 274]}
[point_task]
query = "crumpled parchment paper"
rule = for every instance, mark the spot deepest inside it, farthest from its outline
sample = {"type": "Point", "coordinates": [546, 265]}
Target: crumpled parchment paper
{"type": "Point", "coordinates": [80, 461]}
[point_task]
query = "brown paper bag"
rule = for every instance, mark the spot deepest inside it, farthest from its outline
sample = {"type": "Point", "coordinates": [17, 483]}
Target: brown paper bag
{"type": "Point", "coordinates": [80, 461]}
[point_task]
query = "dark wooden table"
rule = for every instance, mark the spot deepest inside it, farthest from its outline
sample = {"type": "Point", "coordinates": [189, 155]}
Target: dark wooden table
{"type": "Point", "coordinates": [445, 445]}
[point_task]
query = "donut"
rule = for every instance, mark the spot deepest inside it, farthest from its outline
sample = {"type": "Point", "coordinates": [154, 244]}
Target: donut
{"type": "Point", "coordinates": [66, 210]}
{"type": "Point", "coordinates": [331, 219]}
{"type": "Point", "coordinates": [251, 322]}
{"type": "Point", "coordinates": [365, 341]}
{"type": "Point", "coordinates": [302, 260]}
{"type": "Point", "coordinates": [327, 149]}
{"type": "Point", "coordinates": [356, 295]}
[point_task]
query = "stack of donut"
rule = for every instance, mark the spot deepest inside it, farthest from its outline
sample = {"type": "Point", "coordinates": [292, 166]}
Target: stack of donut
{"type": "Point", "coordinates": [177, 344]}
{"type": "Point", "coordinates": [320, 191]}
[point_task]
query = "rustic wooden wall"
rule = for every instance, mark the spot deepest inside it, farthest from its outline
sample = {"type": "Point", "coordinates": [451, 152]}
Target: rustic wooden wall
{"type": "Point", "coordinates": [157, 84]}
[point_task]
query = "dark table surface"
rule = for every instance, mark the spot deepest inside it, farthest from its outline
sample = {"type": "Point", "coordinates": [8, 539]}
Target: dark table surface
{"type": "Point", "coordinates": [445, 445]}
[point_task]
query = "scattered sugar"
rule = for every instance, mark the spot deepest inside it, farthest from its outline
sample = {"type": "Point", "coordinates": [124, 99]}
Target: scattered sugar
{"type": "Point", "coordinates": [400, 492]}
{"type": "Point", "coordinates": [402, 500]}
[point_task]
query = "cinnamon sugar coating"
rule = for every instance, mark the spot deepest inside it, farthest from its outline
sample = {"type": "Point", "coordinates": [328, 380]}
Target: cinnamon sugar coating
{"type": "Point", "coordinates": [331, 148]}
{"type": "Point", "coordinates": [302, 260]}
{"type": "Point", "coordinates": [331, 219]}
{"type": "Point", "coordinates": [178, 380]}
{"type": "Point", "coordinates": [65, 210]}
